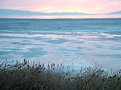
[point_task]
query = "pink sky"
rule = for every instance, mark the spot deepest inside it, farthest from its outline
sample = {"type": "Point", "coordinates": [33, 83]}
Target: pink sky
{"type": "Point", "coordinates": [87, 6]}
{"type": "Point", "coordinates": [84, 6]}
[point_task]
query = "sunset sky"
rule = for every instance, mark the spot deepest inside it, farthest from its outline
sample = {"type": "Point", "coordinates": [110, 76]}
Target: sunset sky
{"type": "Point", "coordinates": [84, 6]}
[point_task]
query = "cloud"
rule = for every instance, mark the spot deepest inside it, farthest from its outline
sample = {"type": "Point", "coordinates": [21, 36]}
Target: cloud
{"type": "Point", "coordinates": [87, 6]}
{"type": "Point", "coordinates": [117, 12]}
{"type": "Point", "coordinates": [9, 12]}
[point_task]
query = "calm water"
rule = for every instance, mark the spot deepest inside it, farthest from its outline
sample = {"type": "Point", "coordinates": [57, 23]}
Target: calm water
{"type": "Point", "coordinates": [83, 42]}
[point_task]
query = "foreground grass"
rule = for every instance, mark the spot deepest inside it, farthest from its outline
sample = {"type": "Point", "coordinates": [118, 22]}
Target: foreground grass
{"type": "Point", "coordinates": [23, 76]}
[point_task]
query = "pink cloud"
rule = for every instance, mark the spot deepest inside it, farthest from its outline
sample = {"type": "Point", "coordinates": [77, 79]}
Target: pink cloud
{"type": "Point", "coordinates": [87, 6]}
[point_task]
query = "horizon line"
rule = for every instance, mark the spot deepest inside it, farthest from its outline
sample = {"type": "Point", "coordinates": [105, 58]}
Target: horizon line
{"type": "Point", "coordinates": [59, 18]}
{"type": "Point", "coordinates": [82, 13]}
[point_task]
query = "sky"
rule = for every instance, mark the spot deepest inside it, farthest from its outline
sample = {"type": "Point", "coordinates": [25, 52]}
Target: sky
{"type": "Point", "coordinates": [84, 6]}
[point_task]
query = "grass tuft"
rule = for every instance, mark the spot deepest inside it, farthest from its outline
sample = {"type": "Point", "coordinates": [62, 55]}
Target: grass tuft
{"type": "Point", "coordinates": [23, 76]}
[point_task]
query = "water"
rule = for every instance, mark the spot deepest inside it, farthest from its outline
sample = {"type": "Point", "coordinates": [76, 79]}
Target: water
{"type": "Point", "coordinates": [73, 42]}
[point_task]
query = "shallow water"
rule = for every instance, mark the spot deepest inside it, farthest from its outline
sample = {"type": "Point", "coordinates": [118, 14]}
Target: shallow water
{"type": "Point", "coordinates": [81, 42]}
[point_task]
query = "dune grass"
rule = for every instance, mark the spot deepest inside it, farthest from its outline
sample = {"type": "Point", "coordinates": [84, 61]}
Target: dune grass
{"type": "Point", "coordinates": [23, 76]}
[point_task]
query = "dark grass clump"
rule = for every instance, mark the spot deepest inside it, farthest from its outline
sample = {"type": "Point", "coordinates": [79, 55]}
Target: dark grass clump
{"type": "Point", "coordinates": [23, 76]}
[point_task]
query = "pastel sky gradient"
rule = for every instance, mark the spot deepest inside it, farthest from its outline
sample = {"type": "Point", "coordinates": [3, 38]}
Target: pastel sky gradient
{"type": "Point", "coordinates": [84, 6]}
{"type": "Point", "coordinates": [87, 6]}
